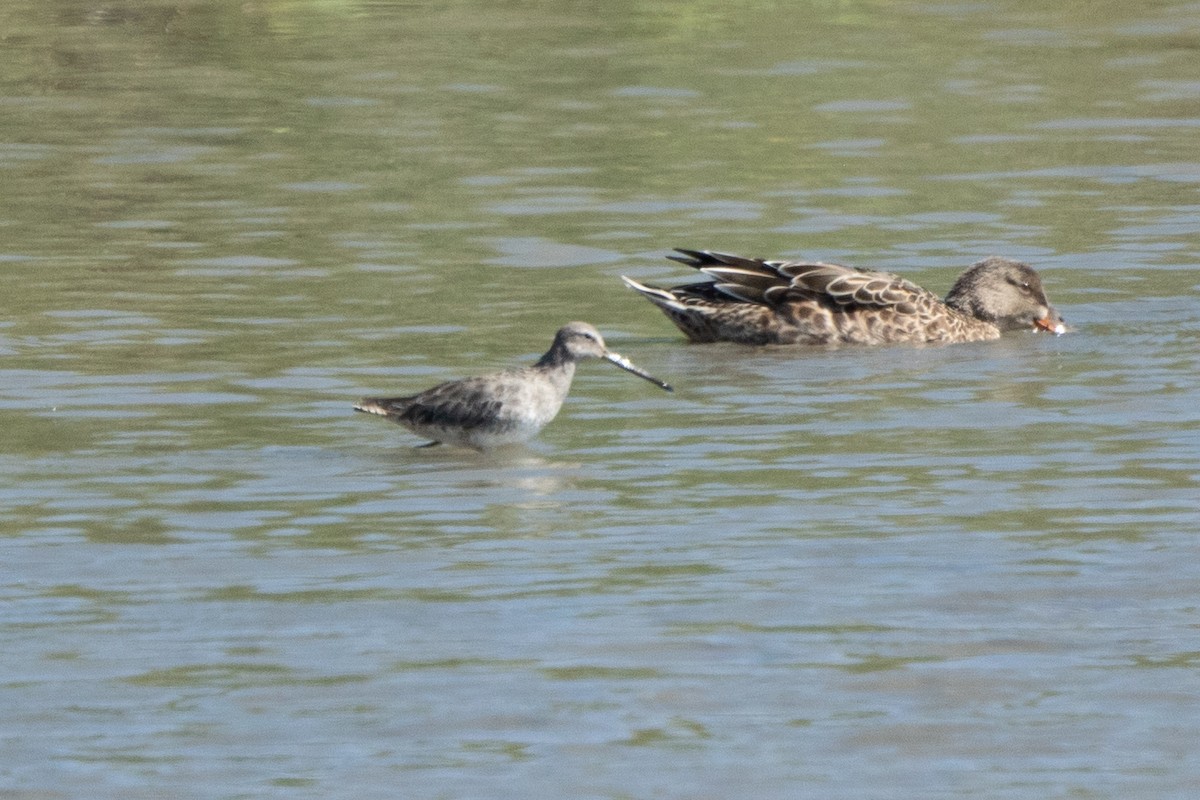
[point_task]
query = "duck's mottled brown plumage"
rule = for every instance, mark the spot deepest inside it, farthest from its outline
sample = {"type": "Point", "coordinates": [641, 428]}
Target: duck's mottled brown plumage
{"type": "Point", "coordinates": [754, 301]}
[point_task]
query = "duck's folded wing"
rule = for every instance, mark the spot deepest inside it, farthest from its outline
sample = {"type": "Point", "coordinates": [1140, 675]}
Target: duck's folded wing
{"type": "Point", "coordinates": [774, 283]}
{"type": "Point", "coordinates": [734, 277]}
{"type": "Point", "coordinates": [846, 286]}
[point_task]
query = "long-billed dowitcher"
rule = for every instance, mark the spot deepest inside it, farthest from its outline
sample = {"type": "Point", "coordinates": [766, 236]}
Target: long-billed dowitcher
{"type": "Point", "coordinates": [752, 301]}
{"type": "Point", "coordinates": [502, 407]}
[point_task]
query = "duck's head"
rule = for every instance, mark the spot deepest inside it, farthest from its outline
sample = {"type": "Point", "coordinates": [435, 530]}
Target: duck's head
{"type": "Point", "coordinates": [1006, 293]}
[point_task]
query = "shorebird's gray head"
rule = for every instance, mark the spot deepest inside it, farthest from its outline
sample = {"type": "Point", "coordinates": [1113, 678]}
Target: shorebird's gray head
{"type": "Point", "coordinates": [579, 340]}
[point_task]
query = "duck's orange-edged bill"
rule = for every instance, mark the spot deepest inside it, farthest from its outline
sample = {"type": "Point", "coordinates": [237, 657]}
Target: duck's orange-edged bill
{"type": "Point", "coordinates": [1050, 325]}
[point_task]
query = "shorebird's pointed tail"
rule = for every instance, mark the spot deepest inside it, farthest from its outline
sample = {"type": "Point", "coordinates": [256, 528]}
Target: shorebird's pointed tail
{"type": "Point", "coordinates": [383, 406]}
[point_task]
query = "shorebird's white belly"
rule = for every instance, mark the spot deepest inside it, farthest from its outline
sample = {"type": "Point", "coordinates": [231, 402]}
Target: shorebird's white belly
{"type": "Point", "coordinates": [515, 423]}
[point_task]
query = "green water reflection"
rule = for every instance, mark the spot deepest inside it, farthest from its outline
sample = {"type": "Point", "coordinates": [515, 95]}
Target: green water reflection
{"type": "Point", "coordinates": [837, 573]}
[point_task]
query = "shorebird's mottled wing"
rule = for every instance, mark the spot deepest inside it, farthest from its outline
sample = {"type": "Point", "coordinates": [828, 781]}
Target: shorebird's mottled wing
{"type": "Point", "coordinates": [456, 405]}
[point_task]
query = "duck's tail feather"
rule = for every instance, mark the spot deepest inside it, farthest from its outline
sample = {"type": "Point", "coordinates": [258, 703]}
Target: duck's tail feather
{"type": "Point", "coordinates": [662, 298]}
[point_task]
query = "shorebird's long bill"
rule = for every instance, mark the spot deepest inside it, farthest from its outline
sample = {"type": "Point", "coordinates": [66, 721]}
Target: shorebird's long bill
{"type": "Point", "coordinates": [627, 365]}
{"type": "Point", "coordinates": [1050, 325]}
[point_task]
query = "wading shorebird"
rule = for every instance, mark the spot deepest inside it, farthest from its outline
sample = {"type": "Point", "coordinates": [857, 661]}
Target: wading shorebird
{"type": "Point", "coordinates": [757, 302]}
{"type": "Point", "coordinates": [502, 407]}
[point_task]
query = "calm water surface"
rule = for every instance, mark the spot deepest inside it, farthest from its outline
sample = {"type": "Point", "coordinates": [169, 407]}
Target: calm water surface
{"type": "Point", "coordinates": [964, 571]}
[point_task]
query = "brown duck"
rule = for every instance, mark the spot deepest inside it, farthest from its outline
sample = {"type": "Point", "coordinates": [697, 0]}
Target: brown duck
{"type": "Point", "coordinates": [753, 301]}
